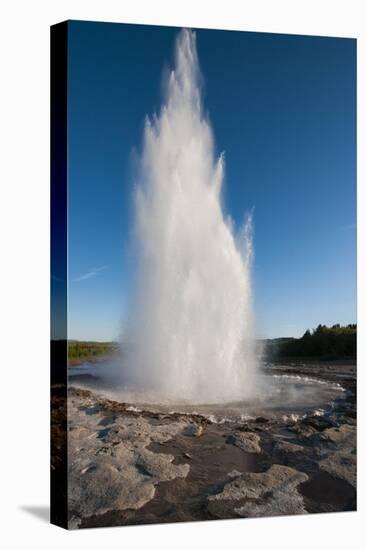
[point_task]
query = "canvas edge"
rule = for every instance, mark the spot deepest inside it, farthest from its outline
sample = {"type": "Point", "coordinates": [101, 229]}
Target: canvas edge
{"type": "Point", "coordinates": [58, 276]}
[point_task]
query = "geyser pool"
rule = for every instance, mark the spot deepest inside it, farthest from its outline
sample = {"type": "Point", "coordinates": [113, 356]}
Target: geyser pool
{"type": "Point", "coordinates": [282, 395]}
{"type": "Point", "coordinates": [190, 330]}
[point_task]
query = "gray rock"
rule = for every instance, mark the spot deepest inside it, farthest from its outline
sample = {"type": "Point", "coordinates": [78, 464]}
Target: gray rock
{"type": "Point", "coordinates": [104, 486]}
{"type": "Point", "coordinates": [286, 447]}
{"type": "Point", "coordinates": [319, 422]}
{"type": "Point", "coordinates": [111, 468]}
{"type": "Point", "coordinates": [344, 434]}
{"type": "Point", "coordinates": [193, 430]}
{"type": "Point", "coordinates": [271, 493]}
{"type": "Point", "coordinates": [234, 473]}
{"type": "Point", "coordinates": [290, 454]}
{"type": "Point", "coordinates": [302, 431]}
{"type": "Point", "coordinates": [336, 450]}
{"type": "Point", "coordinates": [281, 504]}
{"type": "Point", "coordinates": [247, 441]}
{"type": "Point", "coordinates": [341, 465]}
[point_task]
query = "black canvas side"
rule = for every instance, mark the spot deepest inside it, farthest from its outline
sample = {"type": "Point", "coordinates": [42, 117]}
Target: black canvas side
{"type": "Point", "coordinates": [59, 274]}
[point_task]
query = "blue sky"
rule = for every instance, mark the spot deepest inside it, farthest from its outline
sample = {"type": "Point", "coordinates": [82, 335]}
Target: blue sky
{"type": "Point", "coordinates": [282, 108]}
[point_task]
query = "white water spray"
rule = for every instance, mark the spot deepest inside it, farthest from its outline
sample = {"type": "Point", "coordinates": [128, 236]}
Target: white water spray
{"type": "Point", "coordinates": [191, 318]}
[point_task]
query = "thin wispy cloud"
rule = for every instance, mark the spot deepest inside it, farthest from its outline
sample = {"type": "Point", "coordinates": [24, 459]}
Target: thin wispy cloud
{"type": "Point", "coordinates": [89, 274]}
{"type": "Point", "coordinates": [348, 227]}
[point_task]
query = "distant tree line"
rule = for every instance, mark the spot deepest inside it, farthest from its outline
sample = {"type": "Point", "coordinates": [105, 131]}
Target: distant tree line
{"type": "Point", "coordinates": [83, 350]}
{"type": "Point", "coordinates": [335, 342]}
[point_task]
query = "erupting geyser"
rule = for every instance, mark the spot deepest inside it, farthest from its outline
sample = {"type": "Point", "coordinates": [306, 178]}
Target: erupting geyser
{"type": "Point", "coordinates": [191, 319]}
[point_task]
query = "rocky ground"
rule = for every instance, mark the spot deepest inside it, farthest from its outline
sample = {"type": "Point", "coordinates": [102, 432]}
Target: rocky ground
{"type": "Point", "coordinates": [132, 467]}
